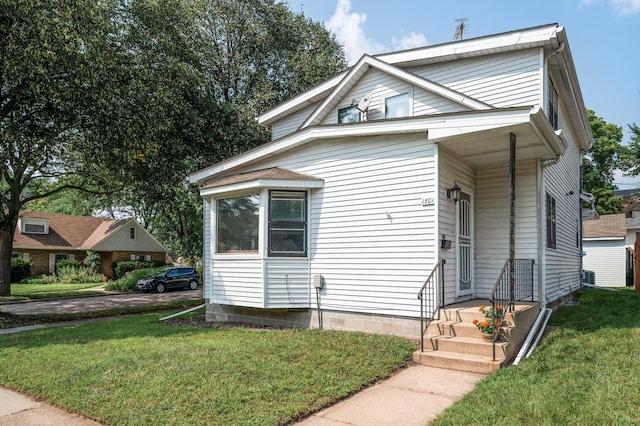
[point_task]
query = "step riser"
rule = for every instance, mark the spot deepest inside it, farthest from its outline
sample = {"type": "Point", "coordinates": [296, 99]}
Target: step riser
{"type": "Point", "coordinates": [459, 329]}
{"type": "Point", "coordinates": [481, 347]}
{"type": "Point", "coordinates": [454, 342]}
{"type": "Point", "coordinates": [427, 358]}
{"type": "Point", "coordinates": [468, 315]}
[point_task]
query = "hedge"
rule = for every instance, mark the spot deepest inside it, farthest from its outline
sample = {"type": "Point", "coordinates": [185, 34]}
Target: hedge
{"type": "Point", "coordinates": [20, 269]}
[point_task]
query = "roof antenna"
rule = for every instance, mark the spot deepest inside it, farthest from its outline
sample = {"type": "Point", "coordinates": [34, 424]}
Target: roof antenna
{"type": "Point", "coordinates": [459, 34]}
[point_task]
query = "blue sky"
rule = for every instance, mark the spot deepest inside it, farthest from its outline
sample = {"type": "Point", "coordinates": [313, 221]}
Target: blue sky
{"type": "Point", "coordinates": [604, 37]}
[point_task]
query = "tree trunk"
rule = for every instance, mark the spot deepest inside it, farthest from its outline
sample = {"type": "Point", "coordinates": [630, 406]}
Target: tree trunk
{"type": "Point", "coordinates": [7, 230]}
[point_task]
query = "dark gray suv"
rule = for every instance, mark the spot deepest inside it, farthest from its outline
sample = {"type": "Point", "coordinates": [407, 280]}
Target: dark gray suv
{"type": "Point", "coordinates": [177, 277]}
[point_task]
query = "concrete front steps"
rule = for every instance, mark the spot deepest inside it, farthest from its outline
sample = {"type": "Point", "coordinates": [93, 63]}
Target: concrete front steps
{"type": "Point", "coordinates": [454, 342]}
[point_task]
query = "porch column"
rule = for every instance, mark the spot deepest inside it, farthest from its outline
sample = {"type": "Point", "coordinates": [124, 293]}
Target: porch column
{"type": "Point", "coordinates": [512, 215]}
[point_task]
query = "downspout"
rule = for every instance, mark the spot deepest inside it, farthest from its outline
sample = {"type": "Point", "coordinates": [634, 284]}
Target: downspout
{"type": "Point", "coordinates": [542, 279]}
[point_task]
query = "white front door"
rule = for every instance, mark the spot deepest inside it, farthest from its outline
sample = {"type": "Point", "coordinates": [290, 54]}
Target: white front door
{"type": "Point", "coordinates": [464, 246]}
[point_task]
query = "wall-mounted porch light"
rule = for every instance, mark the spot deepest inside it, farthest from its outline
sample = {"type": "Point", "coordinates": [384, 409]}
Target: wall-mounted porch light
{"type": "Point", "coordinates": [444, 243]}
{"type": "Point", "coordinates": [453, 193]}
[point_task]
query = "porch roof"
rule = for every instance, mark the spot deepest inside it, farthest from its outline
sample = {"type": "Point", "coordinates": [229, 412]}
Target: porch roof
{"type": "Point", "coordinates": [273, 177]}
{"type": "Point", "coordinates": [480, 137]}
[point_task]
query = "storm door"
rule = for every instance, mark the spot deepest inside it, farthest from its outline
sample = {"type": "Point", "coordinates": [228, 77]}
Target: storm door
{"type": "Point", "coordinates": [464, 245]}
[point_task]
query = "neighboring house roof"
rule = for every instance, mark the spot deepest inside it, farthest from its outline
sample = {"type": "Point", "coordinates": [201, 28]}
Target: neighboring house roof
{"type": "Point", "coordinates": [68, 231]}
{"type": "Point", "coordinates": [611, 226]}
{"type": "Point", "coordinates": [633, 222]}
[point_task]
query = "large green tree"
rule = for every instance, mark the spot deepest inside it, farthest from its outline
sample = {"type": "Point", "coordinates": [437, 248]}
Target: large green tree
{"type": "Point", "coordinates": [57, 61]}
{"type": "Point", "coordinates": [124, 98]}
{"type": "Point", "coordinates": [632, 159]}
{"type": "Point", "coordinates": [247, 56]}
{"type": "Point", "coordinates": [600, 161]}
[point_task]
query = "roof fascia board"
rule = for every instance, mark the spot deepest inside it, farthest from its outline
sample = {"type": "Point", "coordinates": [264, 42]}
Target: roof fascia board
{"type": "Point", "coordinates": [263, 183]}
{"type": "Point", "coordinates": [370, 62]}
{"type": "Point", "coordinates": [273, 114]}
{"type": "Point", "coordinates": [605, 238]}
{"type": "Point", "coordinates": [568, 66]}
{"type": "Point", "coordinates": [347, 82]}
{"type": "Point", "coordinates": [519, 39]}
{"type": "Point", "coordinates": [125, 224]}
{"type": "Point", "coordinates": [367, 128]}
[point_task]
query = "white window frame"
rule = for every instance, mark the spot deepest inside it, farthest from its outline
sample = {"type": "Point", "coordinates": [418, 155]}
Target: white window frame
{"type": "Point", "coordinates": [292, 225]}
{"type": "Point", "coordinates": [24, 221]}
{"type": "Point", "coordinates": [348, 111]}
{"type": "Point", "coordinates": [408, 94]}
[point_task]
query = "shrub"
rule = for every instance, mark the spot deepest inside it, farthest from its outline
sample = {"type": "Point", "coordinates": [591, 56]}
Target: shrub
{"type": "Point", "coordinates": [41, 279]}
{"type": "Point", "coordinates": [63, 263]}
{"type": "Point", "coordinates": [121, 268]}
{"type": "Point", "coordinates": [128, 282]}
{"type": "Point", "coordinates": [20, 269]}
{"type": "Point", "coordinates": [79, 275]}
{"type": "Point", "coordinates": [92, 261]}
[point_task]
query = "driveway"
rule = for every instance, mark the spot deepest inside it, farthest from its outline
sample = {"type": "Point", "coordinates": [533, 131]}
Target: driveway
{"type": "Point", "coordinates": [98, 303]}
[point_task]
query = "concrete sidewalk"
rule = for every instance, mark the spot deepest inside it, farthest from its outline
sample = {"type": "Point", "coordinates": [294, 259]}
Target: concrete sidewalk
{"type": "Point", "coordinates": [18, 410]}
{"type": "Point", "coordinates": [414, 396]}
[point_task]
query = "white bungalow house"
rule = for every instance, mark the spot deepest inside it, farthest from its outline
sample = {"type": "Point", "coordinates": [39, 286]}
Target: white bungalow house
{"type": "Point", "coordinates": [458, 159]}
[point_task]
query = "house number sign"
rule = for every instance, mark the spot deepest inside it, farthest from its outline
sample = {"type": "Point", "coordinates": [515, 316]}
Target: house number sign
{"type": "Point", "coordinates": [428, 200]}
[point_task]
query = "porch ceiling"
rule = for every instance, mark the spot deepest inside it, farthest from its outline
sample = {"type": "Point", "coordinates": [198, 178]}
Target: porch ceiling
{"type": "Point", "coordinates": [491, 146]}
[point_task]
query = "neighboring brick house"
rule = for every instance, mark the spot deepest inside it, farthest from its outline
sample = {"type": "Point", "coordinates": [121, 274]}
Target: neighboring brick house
{"type": "Point", "coordinates": [45, 238]}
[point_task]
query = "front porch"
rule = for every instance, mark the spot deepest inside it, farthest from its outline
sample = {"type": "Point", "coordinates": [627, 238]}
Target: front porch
{"type": "Point", "coordinates": [452, 341]}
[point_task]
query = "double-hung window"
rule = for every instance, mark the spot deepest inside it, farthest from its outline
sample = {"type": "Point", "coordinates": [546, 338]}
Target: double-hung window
{"type": "Point", "coordinates": [287, 223]}
{"type": "Point", "coordinates": [551, 221]}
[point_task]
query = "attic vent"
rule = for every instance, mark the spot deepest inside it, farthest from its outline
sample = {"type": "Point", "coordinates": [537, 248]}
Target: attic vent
{"type": "Point", "coordinates": [34, 226]}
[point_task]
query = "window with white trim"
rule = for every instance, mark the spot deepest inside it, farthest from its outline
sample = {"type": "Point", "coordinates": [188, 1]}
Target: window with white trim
{"type": "Point", "coordinates": [238, 224]}
{"type": "Point", "coordinates": [132, 233]}
{"type": "Point", "coordinates": [397, 106]}
{"type": "Point", "coordinates": [287, 223]}
{"type": "Point", "coordinates": [30, 225]}
{"type": "Point", "coordinates": [349, 114]}
{"type": "Point", "coordinates": [551, 221]}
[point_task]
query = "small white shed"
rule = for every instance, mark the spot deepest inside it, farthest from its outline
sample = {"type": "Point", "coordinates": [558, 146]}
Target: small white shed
{"type": "Point", "coordinates": [604, 244]}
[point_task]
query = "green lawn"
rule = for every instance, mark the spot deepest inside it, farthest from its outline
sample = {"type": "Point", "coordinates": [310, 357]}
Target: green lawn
{"type": "Point", "coordinates": [48, 291]}
{"type": "Point", "coordinates": [585, 372]}
{"type": "Point", "coordinates": [137, 371]}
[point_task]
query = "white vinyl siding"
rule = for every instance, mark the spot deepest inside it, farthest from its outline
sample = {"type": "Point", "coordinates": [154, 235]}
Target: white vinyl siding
{"type": "Point", "coordinates": [607, 258]}
{"type": "Point", "coordinates": [206, 247]}
{"type": "Point", "coordinates": [370, 236]}
{"type": "Point", "coordinates": [451, 170]}
{"type": "Point", "coordinates": [382, 86]}
{"type": "Point", "coordinates": [236, 281]}
{"type": "Point", "coordinates": [492, 220]}
{"type": "Point", "coordinates": [288, 283]}
{"type": "Point", "coordinates": [291, 123]}
{"type": "Point", "coordinates": [502, 80]}
{"type": "Point", "coordinates": [563, 262]}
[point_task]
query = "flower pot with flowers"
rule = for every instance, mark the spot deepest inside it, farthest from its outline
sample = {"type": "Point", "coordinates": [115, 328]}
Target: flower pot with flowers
{"type": "Point", "coordinates": [493, 321]}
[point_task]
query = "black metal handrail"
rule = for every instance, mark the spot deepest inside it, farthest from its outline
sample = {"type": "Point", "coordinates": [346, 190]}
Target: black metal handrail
{"type": "Point", "coordinates": [432, 291]}
{"type": "Point", "coordinates": [515, 283]}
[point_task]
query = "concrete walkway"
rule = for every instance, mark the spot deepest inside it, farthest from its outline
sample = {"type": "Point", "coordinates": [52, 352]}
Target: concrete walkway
{"type": "Point", "coordinates": [413, 396]}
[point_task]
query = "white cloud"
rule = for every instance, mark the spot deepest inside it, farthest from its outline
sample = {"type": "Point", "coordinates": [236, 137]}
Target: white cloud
{"type": "Point", "coordinates": [410, 41]}
{"type": "Point", "coordinates": [349, 30]}
{"type": "Point", "coordinates": [626, 7]}
{"type": "Point", "coordinates": [623, 7]}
